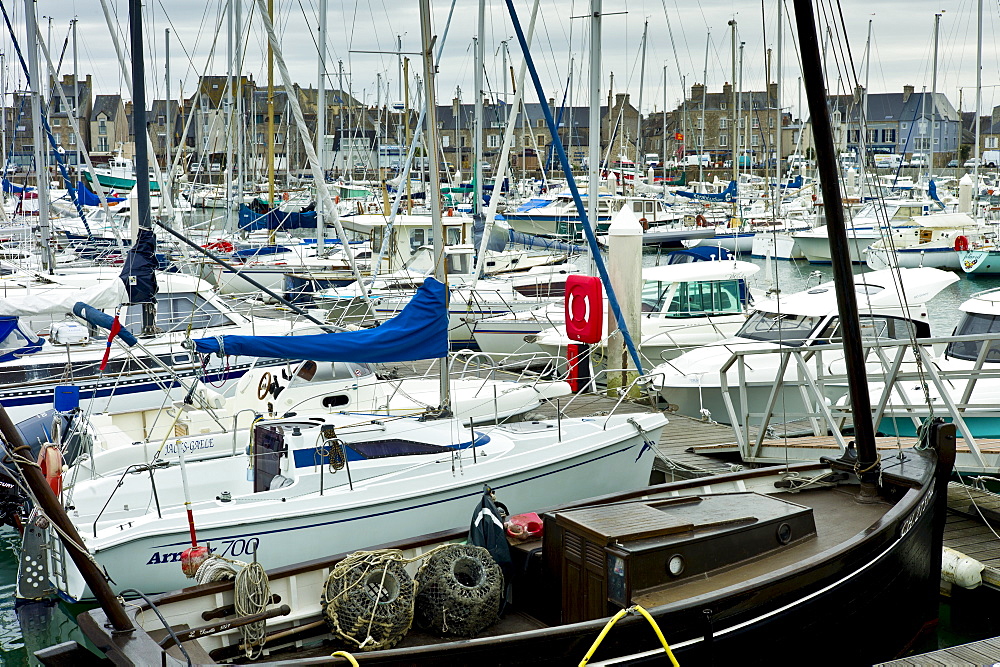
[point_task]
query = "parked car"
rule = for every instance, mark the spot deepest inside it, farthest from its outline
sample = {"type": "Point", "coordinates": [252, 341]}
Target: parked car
{"type": "Point", "coordinates": [973, 162]}
{"type": "Point", "coordinates": [953, 163]}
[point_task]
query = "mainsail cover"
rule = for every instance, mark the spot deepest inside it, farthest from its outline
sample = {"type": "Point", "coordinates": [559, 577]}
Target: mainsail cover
{"type": "Point", "coordinates": [420, 331]}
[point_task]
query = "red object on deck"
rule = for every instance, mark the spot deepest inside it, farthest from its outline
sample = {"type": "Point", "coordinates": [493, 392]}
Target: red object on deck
{"type": "Point", "coordinates": [584, 308]}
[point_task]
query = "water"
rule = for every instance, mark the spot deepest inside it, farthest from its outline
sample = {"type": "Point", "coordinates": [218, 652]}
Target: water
{"type": "Point", "coordinates": [45, 625]}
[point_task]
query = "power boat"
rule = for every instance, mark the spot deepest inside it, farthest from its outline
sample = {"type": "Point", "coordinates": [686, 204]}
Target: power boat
{"type": "Point", "coordinates": [892, 306]}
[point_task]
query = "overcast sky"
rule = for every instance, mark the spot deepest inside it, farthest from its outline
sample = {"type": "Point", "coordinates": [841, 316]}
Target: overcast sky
{"type": "Point", "coordinates": [678, 33]}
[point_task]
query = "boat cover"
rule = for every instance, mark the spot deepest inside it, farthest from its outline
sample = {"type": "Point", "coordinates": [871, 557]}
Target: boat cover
{"type": "Point", "coordinates": [139, 270]}
{"type": "Point", "coordinates": [88, 198]}
{"type": "Point", "coordinates": [16, 340]}
{"type": "Point", "coordinates": [106, 294]}
{"type": "Point", "coordinates": [15, 189]}
{"type": "Point", "coordinates": [727, 195]}
{"type": "Point", "coordinates": [420, 331]}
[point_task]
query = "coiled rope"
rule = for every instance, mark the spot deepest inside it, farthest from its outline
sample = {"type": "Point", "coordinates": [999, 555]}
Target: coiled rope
{"type": "Point", "coordinates": [251, 595]}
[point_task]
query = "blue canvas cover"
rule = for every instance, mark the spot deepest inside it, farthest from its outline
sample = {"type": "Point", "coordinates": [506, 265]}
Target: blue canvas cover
{"type": "Point", "coordinates": [697, 254]}
{"type": "Point", "coordinates": [139, 271]}
{"type": "Point", "coordinates": [420, 331]}
{"type": "Point", "coordinates": [726, 195]}
{"type": "Point", "coordinates": [11, 188]}
{"type": "Point", "coordinates": [88, 198]}
{"type": "Point", "coordinates": [17, 342]}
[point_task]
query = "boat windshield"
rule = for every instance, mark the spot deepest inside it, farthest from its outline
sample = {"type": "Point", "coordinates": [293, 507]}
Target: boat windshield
{"type": "Point", "coordinates": [975, 324]}
{"type": "Point", "coordinates": [782, 328]}
{"type": "Point", "coordinates": [874, 327]}
{"type": "Point", "coordinates": [693, 299]}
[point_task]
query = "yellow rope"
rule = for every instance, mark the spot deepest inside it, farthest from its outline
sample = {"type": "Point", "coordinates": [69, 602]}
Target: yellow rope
{"type": "Point", "coordinates": [346, 656]}
{"type": "Point", "coordinates": [614, 619]}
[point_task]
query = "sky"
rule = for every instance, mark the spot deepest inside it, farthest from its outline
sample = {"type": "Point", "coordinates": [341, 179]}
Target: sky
{"type": "Point", "coordinates": [686, 42]}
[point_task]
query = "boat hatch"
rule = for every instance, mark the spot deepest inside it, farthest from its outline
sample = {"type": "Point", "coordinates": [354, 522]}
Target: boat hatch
{"type": "Point", "coordinates": [633, 550]}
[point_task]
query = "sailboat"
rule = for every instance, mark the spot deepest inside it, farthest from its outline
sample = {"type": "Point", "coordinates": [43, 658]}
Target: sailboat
{"type": "Point", "coordinates": [785, 557]}
{"type": "Point", "coordinates": [329, 481]}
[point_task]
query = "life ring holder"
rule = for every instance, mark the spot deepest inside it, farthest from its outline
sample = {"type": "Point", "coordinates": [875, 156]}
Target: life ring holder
{"type": "Point", "coordinates": [961, 243]}
{"type": "Point", "coordinates": [264, 386]}
{"type": "Point", "coordinates": [700, 219]}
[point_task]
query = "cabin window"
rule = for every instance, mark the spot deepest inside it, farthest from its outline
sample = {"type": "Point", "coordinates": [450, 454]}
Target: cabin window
{"type": "Point", "coordinates": [457, 263]}
{"type": "Point", "coordinates": [783, 328]}
{"type": "Point", "coordinates": [325, 371]}
{"type": "Point", "coordinates": [417, 239]}
{"type": "Point", "coordinates": [381, 449]}
{"type": "Point", "coordinates": [694, 299]}
{"type": "Point", "coordinates": [975, 324]}
{"type": "Point", "coordinates": [454, 235]}
{"type": "Point", "coordinates": [873, 327]}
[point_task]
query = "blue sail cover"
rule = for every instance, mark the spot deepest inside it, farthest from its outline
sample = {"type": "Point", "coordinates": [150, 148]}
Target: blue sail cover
{"type": "Point", "coordinates": [88, 198]}
{"type": "Point", "coordinates": [420, 331]}
{"type": "Point", "coordinates": [139, 270]}
{"type": "Point", "coordinates": [252, 221]}
{"type": "Point", "coordinates": [10, 188]}
{"type": "Point", "coordinates": [933, 194]}
{"type": "Point", "coordinates": [727, 195]}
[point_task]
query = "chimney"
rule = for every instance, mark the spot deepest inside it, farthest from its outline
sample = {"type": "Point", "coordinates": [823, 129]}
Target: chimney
{"type": "Point", "coordinates": [697, 92]}
{"type": "Point", "coordinates": [621, 99]}
{"type": "Point", "coordinates": [456, 107]}
{"type": "Point", "coordinates": [907, 91]}
{"type": "Point", "coordinates": [727, 91]}
{"type": "Point", "coordinates": [772, 93]}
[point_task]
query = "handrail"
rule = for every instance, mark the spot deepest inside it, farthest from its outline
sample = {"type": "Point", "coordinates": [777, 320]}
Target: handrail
{"type": "Point", "coordinates": [895, 360]}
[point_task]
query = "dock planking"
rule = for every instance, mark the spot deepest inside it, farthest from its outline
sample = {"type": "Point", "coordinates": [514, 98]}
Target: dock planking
{"type": "Point", "coordinates": [983, 652]}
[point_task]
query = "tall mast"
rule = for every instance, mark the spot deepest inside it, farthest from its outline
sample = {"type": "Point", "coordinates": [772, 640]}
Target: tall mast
{"type": "Point", "coordinates": [477, 138]}
{"type": "Point", "coordinates": [732, 133]}
{"type": "Point", "coordinates": [269, 140]}
{"type": "Point", "coordinates": [930, 161]}
{"type": "Point", "coordinates": [230, 41]}
{"type": "Point", "coordinates": [979, 85]}
{"type": "Point", "coordinates": [594, 142]}
{"type": "Point", "coordinates": [777, 104]}
{"type": "Point", "coordinates": [321, 128]}
{"type": "Point", "coordinates": [431, 136]}
{"type": "Point", "coordinates": [639, 155]}
{"type": "Point", "coordinates": [168, 148]}
{"type": "Point", "coordinates": [75, 111]}
{"type": "Point", "coordinates": [868, 462]}
{"type": "Point", "coordinates": [704, 103]}
{"type": "Point", "coordinates": [41, 171]}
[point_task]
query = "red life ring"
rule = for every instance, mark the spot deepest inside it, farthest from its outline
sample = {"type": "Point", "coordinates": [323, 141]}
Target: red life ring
{"type": "Point", "coordinates": [700, 219]}
{"type": "Point", "coordinates": [50, 460]}
{"type": "Point", "coordinates": [584, 308]}
{"type": "Point", "coordinates": [961, 243]}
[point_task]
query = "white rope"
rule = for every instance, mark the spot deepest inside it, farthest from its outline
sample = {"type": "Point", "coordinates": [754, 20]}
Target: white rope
{"type": "Point", "coordinates": [252, 594]}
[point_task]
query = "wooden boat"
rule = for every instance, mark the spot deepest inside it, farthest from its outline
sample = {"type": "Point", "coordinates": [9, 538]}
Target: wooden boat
{"type": "Point", "coordinates": [842, 565]}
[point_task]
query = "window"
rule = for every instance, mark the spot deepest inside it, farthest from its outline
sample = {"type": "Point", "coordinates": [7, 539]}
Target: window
{"type": "Point", "coordinates": [722, 105]}
{"type": "Point", "coordinates": [904, 125]}
{"type": "Point", "coordinates": [889, 135]}
{"type": "Point", "coordinates": [279, 138]}
{"type": "Point", "coordinates": [779, 327]}
{"type": "Point", "coordinates": [723, 139]}
{"type": "Point", "coordinates": [259, 118]}
{"type": "Point", "coordinates": [755, 122]}
{"type": "Point", "coordinates": [853, 136]}
{"type": "Point", "coordinates": [975, 324]}
{"type": "Point", "coordinates": [540, 122]}
{"type": "Point", "coordinates": [445, 140]}
{"type": "Point", "coordinates": [723, 123]}
{"type": "Point", "coordinates": [71, 139]}
{"type": "Point", "coordinates": [991, 142]}
{"type": "Point", "coordinates": [770, 121]}
{"type": "Point", "coordinates": [923, 143]}
{"type": "Point", "coordinates": [540, 139]}
{"type": "Point", "coordinates": [56, 122]}
{"type": "Point", "coordinates": [754, 139]}
{"type": "Point", "coordinates": [161, 119]}
{"type": "Point", "coordinates": [873, 136]}
{"type": "Point", "coordinates": [492, 140]}
{"type": "Point", "coordinates": [102, 144]}
{"type": "Point", "coordinates": [102, 127]}
{"type": "Point", "coordinates": [260, 137]}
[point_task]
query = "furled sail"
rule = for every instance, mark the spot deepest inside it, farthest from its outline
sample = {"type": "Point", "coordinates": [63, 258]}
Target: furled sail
{"type": "Point", "coordinates": [420, 331]}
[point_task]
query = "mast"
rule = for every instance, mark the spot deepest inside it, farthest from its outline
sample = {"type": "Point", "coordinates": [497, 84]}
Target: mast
{"type": "Point", "coordinates": [477, 138]}
{"type": "Point", "coordinates": [321, 129]}
{"type": "Point", "coordinates": [228, 176]}
{"type": "Point", "coordinates": [867, 466]}
{"type": "Point", "coordinates": [269, 140]}
{"type": "Point", "coordinates": [930, 160]}
{"type": "Point", "coordinates": [75, 111]}
{"type": "Point", "coordinates": [777, 103]}
{"type": "Point", "coordinates": [639, 155]}
{"type": "Point", "coordinates": [168, 148]}
{"type": "Point", "coordinates": [704, 103]}
{"type": "Point", "coordinates": [431, 137]}
{"type": "Point", "coordinates": [594, 140]}
{"type": "Point", "coordinates": [979, 86]}
{"type": "Point", "coordinates": [41, 171]}
{"type": "Point", "coordinates": [732, 133]}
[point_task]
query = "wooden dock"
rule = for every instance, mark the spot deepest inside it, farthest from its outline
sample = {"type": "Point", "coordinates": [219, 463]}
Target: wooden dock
{"type": "Point", "coordinates": [984, 652]}
{"type": "Point", "coordinates": [973, 528]}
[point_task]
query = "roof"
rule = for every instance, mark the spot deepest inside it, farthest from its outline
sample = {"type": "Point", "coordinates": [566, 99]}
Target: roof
{"type": "Point", "coordinates": [697, 271]}
{"type": "Point", "coordinates": [109, 105]}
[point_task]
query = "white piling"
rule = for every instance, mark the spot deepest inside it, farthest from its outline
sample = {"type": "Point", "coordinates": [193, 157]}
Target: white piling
{"type": "Point", "coordinates": [625, 273]}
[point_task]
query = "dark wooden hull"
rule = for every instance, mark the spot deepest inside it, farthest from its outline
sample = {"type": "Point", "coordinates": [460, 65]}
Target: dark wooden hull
{"type": "Point", "coordinates": [883, 581]}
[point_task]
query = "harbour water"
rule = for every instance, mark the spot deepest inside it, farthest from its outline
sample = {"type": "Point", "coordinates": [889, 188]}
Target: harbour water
{"type": "Point", "coordinates": [43, 624]}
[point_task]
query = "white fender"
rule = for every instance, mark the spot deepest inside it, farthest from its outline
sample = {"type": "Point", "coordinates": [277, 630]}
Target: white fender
{"type": "Point", "coordinates": [961, 570]}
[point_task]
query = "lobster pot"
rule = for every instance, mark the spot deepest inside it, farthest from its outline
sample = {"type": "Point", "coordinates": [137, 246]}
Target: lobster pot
{"type": "Point", "coordinates": [459, 591]}
{"type": "Point", "coordinates": [368, 600]}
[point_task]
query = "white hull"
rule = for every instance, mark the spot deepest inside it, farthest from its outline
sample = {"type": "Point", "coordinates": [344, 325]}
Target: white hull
{"type": "Point", "coordinates": [436, 494]}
